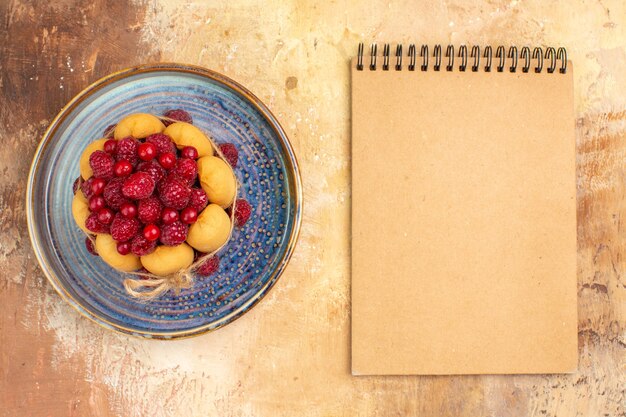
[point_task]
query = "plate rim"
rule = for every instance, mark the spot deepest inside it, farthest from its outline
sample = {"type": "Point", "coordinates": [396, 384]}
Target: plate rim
{"type": "Point", "coordinates": [292, 169]}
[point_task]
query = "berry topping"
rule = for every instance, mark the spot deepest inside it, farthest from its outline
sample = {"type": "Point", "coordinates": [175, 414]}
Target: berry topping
{"type": "Point", "coordinates": [85, 187]}
{"type": "Point", "coordinates": [127, 149]}
{"type": "Point", "coordinates": [90, 247]}
{"type": "Point", "coordinates": [230, 153]}
{"type": "Point", "coordinates": [189, 152]}
{"type": "Point", "coordinates": [113, 193]}
{"type": "Point", "coordinates": [110, 146]}
{"type": "Point", "coordinates": [105, 215]}
{"type": "Point", "coordinates": [209, 267]}
{"type": "Point", "coordinates": [108, 132]}
{"type": "Point", "coordinates": [189, 215]}
{"type": "Point", "coordinates": [128, 210]}
{"type": "Point", "coordinates": [123, 248]}
{"type": "Point", "coordinates": [122, 168]}
{"type": "Point", "coordinates": [167, 160]}
{"type": "Point", "coordinates": [153, 169]}
{"type": "Point", "coordinates": [97, 186]}
{"type": "Point", "coordinates": [186, 169]}
{"type": "Point", "coordinates": [242, 212]}
{"type": "Point", "coordinates": [147, 151]}
{"type": "Point", "coordinates": [93, 225]}
{"type": "Point", "coordinates": [198, 199]}
{"type": "Point", "coordinates": [137, 186]}
{"type": "Point", "coordinates": [77, 183]}
{"type": "Point", "coordinates": [123, 229]}
{"type": "Point", "coordinates": [149, 210]}
{"type": "Point", "coordinates": [162, 142]}
{"type": "Point", "coordinates": [173, 234]}
{"type": "Point", "coordinates": [177, 115]}
{"type": "Point", "coordinates": [151, 232]}
{"type": "Point", "coordinates": [141, 246]}
{"type": "Point", "coordinates": [169, 215]}
{"type": "Point", "coordinates": [102, 164]}
{"type": "Point", "coordinates": [174, 193]}
{"type": "Point", "coordinates": [96, 203]}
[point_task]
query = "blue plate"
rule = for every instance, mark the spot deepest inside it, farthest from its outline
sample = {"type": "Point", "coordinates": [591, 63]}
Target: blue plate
{"type": "Point", "coordinates": [256, 254]}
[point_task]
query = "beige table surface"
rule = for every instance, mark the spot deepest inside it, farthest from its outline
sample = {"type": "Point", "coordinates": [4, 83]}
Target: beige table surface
{"type": "Point", "coordinates": [290, 355]}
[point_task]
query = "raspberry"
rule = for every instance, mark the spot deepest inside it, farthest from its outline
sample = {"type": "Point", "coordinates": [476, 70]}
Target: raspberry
{"type": "Point", "coordinates": [162, 142]}
{"type": "Point", "coordinates": [77, 183]}
{"type": "Point", "coordinates": [138, 186]}
{"type": "Point", "coordinates": [186, 169]}
{"type": "Point", "coordinates": [85, 187]}
{"type": "Point", "coordinates": [174, 193]}
{"type": "Point", "coordinates": [108, 132]}
{"type": "Point", "coordinates": [150, 210]}
{"type": "Point", "coordinates": [173, 234]}
{"type": "Point", "coordinates": [141, 246]}
{"type": "Point", "coordinates": [93, 224]}
{"type": "Point", "coordinates": [177, 115]}
{"type": "Point", "coordinates": [90, 248]}
{"type": "Point", "coordinates": [242, 212]}
{"type": "Point", "coordinates": [209, 267]}
{"type": "Point", "coordinates": [123, 229]}
{"type": "Point", "coordinates": [153, 169]}
{"type": "Point", "coordinates": [102, 164]}
{"type": "Point", "coordinates": [127, 149]}
{"type": "Point", "coordinates": [113, 193]}
{"type": "Point", "coordinates": [230, 153]}
{"type": "Point", "coordinates": [198, 199]}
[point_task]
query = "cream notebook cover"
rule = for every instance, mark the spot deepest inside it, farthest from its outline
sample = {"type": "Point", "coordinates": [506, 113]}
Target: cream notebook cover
{"type": "Point", "coordinates": [463, 218]}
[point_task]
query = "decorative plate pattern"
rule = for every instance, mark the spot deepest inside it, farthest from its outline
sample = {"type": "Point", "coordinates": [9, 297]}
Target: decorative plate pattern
{"type": "Point", "coordinates": [253, 259]}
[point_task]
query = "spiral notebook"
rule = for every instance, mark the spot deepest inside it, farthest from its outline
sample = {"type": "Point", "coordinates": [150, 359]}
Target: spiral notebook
{"type": "Point", "coordinates": [463, 211]}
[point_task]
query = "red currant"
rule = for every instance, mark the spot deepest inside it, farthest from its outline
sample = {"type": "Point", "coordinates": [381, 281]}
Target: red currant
{"type": "Point", "coordinates": [167, 160]}
{"type": "Point", "coordinates": [169, 215]}
{"type": "Point", "coordinates": [128, 210]}
{"type": "Point", "coordinates": [189, 215]}
{"type": "Point", "coordinates": [90, 247]}
{"type": "Point", "coordinates": [110, 146]}
{"type": "Point", "coordinates": [151, 232]}
{"type": "Point", "coordinates": [105, 215]}
{"type": "Point", "coordinates": [123, 248]}
{"type": "Point", "coordinates": [147, 151]}
{"type": "Point", "coordinates": [122, 168]}
{"type": "Point", "coordinates": [97, 185]}
{"type": "Point", "coordinates": [189, 152]}
{"type": "Point", "coordinates": [96, 202]}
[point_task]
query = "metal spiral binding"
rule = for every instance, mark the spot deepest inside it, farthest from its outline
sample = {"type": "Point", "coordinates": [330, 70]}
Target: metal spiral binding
{"type": "Point", "coordinates": [463, 56]}
{"type": "Point", "coordinates": [500, 54]}
{"type": "Point", "coordinates": [513, 55]}
{"type": "Point", "coordinates": [399, 57]}
{"type": "Point", "coordinates": [450, 56]}
{"type": "Point", "coordinates": [552, 56]}
{"type": "Point", "coordinates": [424, 55]}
